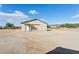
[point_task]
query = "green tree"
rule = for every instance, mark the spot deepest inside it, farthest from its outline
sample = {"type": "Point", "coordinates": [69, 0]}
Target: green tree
{"type": "Point", "coordinates": [9, 25]}
{"type": "Point", "coordinates": [67, 25]}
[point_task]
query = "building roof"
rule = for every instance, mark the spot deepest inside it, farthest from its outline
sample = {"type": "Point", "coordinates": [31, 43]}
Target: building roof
{"type": "Point", "coordinates": [32, 20]}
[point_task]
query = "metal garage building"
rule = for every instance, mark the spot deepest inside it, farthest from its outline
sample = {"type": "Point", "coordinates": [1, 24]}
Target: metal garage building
{"type": "Point", "coordinates": [32, 25]}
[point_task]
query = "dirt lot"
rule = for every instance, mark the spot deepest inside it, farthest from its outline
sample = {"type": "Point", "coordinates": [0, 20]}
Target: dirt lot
{"type": "Point", "coordinates": [16, 41]}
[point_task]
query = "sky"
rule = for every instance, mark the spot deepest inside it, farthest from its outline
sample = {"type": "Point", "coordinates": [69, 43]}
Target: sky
{"type": "Point", "coordinates": [50, 13]}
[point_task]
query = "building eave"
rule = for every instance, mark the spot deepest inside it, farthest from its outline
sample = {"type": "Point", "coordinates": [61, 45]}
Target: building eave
{"type": "Point", "coordinates": [33, 20]}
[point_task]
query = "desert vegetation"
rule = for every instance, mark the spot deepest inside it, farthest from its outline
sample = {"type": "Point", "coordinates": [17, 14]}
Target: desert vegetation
{"type": "Point", "coordinates": [68, 25]}
{"type": "Point", "coordinates": [9, 25]}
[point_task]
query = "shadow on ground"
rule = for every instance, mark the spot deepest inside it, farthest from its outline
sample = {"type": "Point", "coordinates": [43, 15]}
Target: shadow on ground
{"type": "Point", "coordinates": [61, 50]}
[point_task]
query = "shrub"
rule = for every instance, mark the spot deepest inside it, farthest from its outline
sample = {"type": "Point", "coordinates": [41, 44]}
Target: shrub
{"type": "Point", "coordinates": [9, 25]}
{"type": "Point", "coordinates": [67, 25]}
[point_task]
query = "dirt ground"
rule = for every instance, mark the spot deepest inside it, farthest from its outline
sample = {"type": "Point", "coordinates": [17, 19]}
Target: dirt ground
{"type": "Point", "coordinates": [37, 42]}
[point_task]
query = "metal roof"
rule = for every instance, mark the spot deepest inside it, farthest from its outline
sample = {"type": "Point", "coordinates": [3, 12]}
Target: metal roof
{"type": "Point", "coordinates": [32, 20]}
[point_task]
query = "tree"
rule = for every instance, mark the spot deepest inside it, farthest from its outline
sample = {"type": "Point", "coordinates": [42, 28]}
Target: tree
{"type": "Point", "coordinates": [67, 25]}
{"type": "Point", "coordinates": [70, 25]}
{"type": "Point", "coordinates": [9, 25]}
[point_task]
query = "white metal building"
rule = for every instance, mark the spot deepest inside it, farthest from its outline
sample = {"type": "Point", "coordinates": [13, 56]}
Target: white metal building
{"type": "Point", "coordinates": [34, 24]}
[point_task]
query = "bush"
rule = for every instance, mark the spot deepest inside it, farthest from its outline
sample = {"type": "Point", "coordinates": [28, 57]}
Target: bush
{"type": "Point", "coordinates": [9, 25]}
{"type": "Point", "coordinates": [67, 25]}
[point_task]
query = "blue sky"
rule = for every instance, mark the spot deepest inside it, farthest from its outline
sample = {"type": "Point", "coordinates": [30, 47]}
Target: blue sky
{"type": "Point", "coordinates": [50, 13]}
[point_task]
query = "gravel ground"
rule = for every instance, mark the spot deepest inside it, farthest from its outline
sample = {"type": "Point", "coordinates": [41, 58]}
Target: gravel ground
{"type": "Point", "coordinates": [37, 42]}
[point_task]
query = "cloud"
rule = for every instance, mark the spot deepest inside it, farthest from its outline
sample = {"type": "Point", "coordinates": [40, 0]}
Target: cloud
{"type": "Point", "coordinates": [75, 16]}
{"type": "Point", "coordinates": [33, 12]}
{"type": "Point", "coordinates": [42, 19]}
{"type": "Point", "coordinates": [13, 16]}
